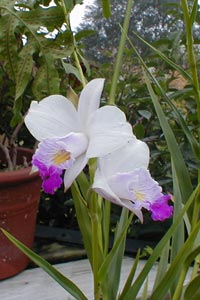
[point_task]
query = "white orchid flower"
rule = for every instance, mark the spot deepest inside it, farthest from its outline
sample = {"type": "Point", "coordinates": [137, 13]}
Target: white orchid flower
{"type": "Point", "coordinates": [122, 177]}
{"type": "Point", "coordinates": [69, 136]}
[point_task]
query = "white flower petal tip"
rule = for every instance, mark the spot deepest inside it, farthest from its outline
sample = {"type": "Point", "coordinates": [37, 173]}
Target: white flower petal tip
{"type": "Point", "coordinates": [89, 99]}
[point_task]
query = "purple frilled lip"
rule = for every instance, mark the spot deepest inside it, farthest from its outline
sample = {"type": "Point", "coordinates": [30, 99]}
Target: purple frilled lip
{"type": "Point", "coordinates": [51, 176]}
{"type": "Point", "coordinates": [160, 209]}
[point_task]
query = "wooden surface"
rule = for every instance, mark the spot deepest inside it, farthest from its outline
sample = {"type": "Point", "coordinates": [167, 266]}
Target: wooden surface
{"type": "Point", "coordinates": [35, 284]}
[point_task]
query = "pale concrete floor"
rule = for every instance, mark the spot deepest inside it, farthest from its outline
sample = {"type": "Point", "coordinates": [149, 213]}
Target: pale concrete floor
{"type": "Point", "coordinates": [35, 284]}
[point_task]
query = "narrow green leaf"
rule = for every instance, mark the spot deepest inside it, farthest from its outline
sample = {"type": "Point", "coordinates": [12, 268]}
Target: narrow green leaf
{"type": "Point", "coordinates": [185, 74]}
{"type": "Point", "coordinates": [193, 142]}
{"type": "Point", "coordinates": [70, 69]}
{"type": "Point", "coordinates": [145, 291]}
{"type": "Point", "coordinates": [134, 289]}
{"type": "Point", "coordinates": [114, 251]}
{"type": "Point", "coordinates": [178, 161]}
{"type": "Point", "coordinates": [193, 290]}
{"type": "Point", "coordinates": [83, 184]}
{"type": "Point", "coordinates": [162, 265]}
{"type": "Point", "coordinates": [178, 291]}
{"type": "Point", "coordinates": [106, 8]}
{"type": "Point", "coordinates": [130, 276]}
{"type": "Point", "coordinates": [193, 12]}
{"type": "Point", "coordinates": [114, 266]}
{"type": "Point", "coordinates": [145, 113]}
{"type": "Point", "coordinates": [83, 218]}
{"type": "Point", "coordinates": [179, 235]}
{"type": "Point", "coordinates": [66, 283]}
{"type": "Point", "coordinates": [175, 266]}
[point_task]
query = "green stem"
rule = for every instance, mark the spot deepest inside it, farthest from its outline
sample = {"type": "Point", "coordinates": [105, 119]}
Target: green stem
{"type": "Point", "coordinates": [120, 52]}
{"type": "Point", "coordinates": [195, 219]}
{"type": "Point", "coordinates": [191, 58]}
{"type": "Point", "coordinates": [106, 227]}
{"type": "Point", "coordinates": [95, 248]}
{"type": "Point", "coordinates": [179, 288]}
{"type": "Point", "coordinates": [77, 62]}
{"type": "Point", "coordinates": [193, 68]}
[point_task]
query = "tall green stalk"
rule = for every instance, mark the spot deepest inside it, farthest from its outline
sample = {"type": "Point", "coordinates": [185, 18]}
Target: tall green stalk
{"type": "Point", "coordinates": [120, 52]}
{"type": "Point", "coordinates": [189, 18]}
{"type": "Point", "coordinates": [77, 62]}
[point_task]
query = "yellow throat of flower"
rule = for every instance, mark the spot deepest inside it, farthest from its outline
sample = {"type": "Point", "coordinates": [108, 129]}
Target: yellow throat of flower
{"type": "Point", "coordinates": [61, 157]}
{"type": "Point", "coordinates": [139, 196]}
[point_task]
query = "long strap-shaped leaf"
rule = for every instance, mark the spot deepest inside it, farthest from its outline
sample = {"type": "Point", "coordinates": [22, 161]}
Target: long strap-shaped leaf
{"type": "Point", "coordinates": [183, 177]}
{"type": "Point", "coordinates": [66, 283]}
{"type": "Point", "coordinates": [193, 142]}
{"type": "Point", "coordinates": [185, 74]}
{"type": "Point", "coordinates": [164, 286]}
{"type": "Point", "coordinates": [134, 289]}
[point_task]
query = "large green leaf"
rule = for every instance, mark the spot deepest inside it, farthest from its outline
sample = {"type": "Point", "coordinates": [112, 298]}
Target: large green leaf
{"type": "Point", "coordinates": [46, 81]}
{"type": "Point", "coordinates": [8, 44]}
{"type": "Point", "coordinates": [51, 17]}
{"type": "Point", "coordinates": [24, 69]}
{"type": "Point", "coordinates": [66, 283]}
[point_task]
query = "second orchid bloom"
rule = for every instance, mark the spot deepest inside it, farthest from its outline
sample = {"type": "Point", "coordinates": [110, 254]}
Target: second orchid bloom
{"type": "Point", "coordinates": [69, 137]}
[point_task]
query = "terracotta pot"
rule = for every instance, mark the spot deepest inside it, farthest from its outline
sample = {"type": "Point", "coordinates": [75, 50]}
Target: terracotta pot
{"type": "Point", "coordinates": [19, 197]}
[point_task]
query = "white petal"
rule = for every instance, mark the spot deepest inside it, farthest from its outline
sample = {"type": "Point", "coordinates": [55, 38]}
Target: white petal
{"type": "Point", "coordinates": [135, 154]}
{"type": "Point", "coordinates": [107, 130]}
{"type": "Point", "coordinates": [74, 171]}
{"type": "Point", "coordinates": [89, 99]}
{"type": "Point", "coordinates": [102, 187]}
{"type": "Point", "coordinates": [119, 184]}
{"type": "Point", "coordinates": [54, 116]}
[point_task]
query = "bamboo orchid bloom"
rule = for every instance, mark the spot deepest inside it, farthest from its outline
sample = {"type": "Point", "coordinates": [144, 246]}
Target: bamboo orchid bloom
{"type": "Point", "coordinates": [69, 137]}
{"type": "Point", "coordinates": [122, 177]}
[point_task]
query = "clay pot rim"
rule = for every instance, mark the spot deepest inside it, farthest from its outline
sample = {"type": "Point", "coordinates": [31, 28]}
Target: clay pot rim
{"type": "Point", "coordinates": [15, 176]}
